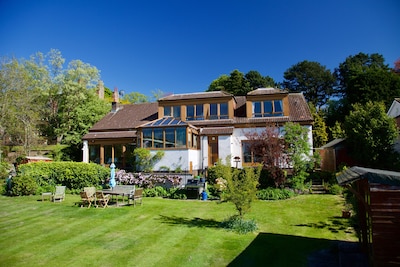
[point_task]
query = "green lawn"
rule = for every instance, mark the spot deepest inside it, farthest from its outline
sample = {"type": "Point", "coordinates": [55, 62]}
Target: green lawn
{"type": "Point", "coordinates": [164, 232]}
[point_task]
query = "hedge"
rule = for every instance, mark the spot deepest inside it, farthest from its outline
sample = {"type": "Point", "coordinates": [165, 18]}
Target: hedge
{"type": "Point", "coordinates": [73, 175]}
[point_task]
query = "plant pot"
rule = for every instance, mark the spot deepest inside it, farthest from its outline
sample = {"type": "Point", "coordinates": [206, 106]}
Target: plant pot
{"type": "Point", "coordinates": [346, 213]}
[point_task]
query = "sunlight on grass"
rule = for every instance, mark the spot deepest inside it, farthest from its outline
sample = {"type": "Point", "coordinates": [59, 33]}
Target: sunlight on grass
{"type": "Point", "coordinates": [164, 232]}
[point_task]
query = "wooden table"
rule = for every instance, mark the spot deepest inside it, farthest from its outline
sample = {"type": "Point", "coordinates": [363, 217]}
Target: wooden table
{"type": "Point", "coordinates": [47, 195]}
{"type": "Point", "coordinates": [117, 194]}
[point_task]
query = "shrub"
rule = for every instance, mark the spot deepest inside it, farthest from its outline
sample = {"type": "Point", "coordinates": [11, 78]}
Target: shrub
{"type": "Point", "coordinates": [177, 193]}
{"type": "Point", "coordinates": [146, 180]}
{"type": "Point", "coordinates": [274, 194]}
{"type": "Point", "coordinates": [219, 170]}
{"type": "Point", "coordinates": [157, 191]}
{"type": "Point", "coordinates": [23, 185]}
{"type": "Point", "coordinates": [335, 189]}
{"type": "Point", "coordinates": [73, 175]}
{"type": "Point", "coordinates": [239, 225]}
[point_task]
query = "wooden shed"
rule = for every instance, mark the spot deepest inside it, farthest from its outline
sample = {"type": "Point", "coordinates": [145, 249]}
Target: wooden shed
{"type": "Point", "coordinates": [378, 195]}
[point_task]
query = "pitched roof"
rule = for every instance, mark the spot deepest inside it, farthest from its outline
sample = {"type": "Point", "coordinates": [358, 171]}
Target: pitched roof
{"type": "Point", "coordinates": [267, 91]}
{"type": "Point", "coordinates": [202, 95]}
{"type": "Point", "coordinates": [128, 116]}
{"type": "Point", "coordinates": [372, 175]}
{"type": "Point", "coordinates": [299, 110]}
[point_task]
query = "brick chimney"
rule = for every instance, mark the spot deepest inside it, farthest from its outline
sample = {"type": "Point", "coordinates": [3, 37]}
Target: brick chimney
{"type": "Point", "coordinates": [115, 104]}
{"type": "Point", "coordinates": [100, 89]}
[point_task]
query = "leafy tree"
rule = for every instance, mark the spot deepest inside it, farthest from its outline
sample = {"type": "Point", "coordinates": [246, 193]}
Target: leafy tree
{"type": "Point", "coordinates": [337, 131]}
{"type": "Point", "coordinates": [145, 160]}
{"type": "Point", "coordinates": [299, 152]}
{"type": "Point", "coordinates": [269, 148]}
{"type": "Point", "coordinates": [219, 84]}
{"type": "Point", "coordinates": [157, 94]}
{"type": "Point", "coordinates": [362, 78]}
{"type": "Point", "coordinates": [256, 80]}
{"type": "Point", "coordinates": [311, 78]}
{"type": "Point", "coordinates": [242, 188]}
{"type": "Point", "coordinates": [371, 134]}
{"type": "Point", "coordinates": [320, 135]}
{"type": "Point", "coordinates": [239, 84]}
{"type": "Point", "coordinates": [135, 98]}
{"type": "Point", "coordinates": [20, 104]}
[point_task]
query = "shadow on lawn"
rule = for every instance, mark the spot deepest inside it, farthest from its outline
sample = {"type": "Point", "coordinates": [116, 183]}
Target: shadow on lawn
{"type": "Point", "coordinates": [194, 222]}
{"type": "Point", "coordinates": [334, 224]}
{"type": "Point", "coordinates": [284, 250]}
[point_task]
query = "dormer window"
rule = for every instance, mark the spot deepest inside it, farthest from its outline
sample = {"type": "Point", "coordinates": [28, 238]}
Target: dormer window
{"type": "Point", "coordinates": [194, 112]}
{"type": "Point", "coordinates": [268, 108]}
{"type": "Point", "coordinates": [218, 111]}
{"type": "Point", "coordinates": [172, 111]}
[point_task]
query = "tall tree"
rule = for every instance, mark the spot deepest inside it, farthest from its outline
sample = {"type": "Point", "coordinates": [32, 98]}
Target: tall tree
{"type": "Point", "coordinates": [320, 135]}
{"type": "Point", "coordinates": [256, 80]}
{"type": "Point", "coordinates": [362, 78]}
{"type": "Point", "coordinates": [135, 97]}
{"type": "Point", "coordinates": [311, 78]}
{"type": "Point", "coordinates": [239, 84]}
{"type": "Point", "coordinates": [371, 134]}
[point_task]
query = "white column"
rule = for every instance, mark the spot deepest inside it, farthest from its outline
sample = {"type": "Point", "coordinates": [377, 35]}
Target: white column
{"type": "Point", "coordinates": [85, 150]}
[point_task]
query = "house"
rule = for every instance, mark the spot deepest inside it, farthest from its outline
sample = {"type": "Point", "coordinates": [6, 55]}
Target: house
{"type": "Point", "coordinates": [194, 130]}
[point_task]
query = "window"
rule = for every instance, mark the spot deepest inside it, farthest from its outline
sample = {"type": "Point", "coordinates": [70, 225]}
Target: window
{"type": "Point", "coordinates": [194, 112]}
{"type": "Point", "coordinates": [177, 112]}
{"type": "Point", "coordinates": [167, 111]}
{"type": "Point", "coordinates": [267, 108]}
{"type": "Point", "coordinates": [248, 155]}
{"type": "Point", "coordinates": [173, 111]}
{"type": "Point", "coordinates": [218, 111]}
{"type": "Point", "coordinates": [164, 137]}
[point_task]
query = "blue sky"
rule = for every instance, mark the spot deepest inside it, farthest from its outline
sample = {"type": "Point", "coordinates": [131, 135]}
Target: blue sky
{"type": "Point", "coordinates": [181, 46]}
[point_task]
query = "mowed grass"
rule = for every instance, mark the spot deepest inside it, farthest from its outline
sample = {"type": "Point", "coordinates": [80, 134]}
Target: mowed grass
{"type": "Point", "coordinates": [165, 232]}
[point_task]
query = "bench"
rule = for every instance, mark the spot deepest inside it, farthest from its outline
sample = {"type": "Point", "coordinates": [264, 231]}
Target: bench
{"type": "Point", "coordinates": [124, 191]}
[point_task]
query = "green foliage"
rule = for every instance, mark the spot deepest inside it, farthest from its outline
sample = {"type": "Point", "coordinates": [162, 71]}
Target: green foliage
{"type": "Point", "coordinates": [337, 131]}
{"type": "Point", "coordinates": [320, 135]}
{"type": "Point", "coordinates": [23, 185]}
{"type": "Point", "coordinates": [239, 225]}
{"type": "Point", "coordinates": [219, 170]}
{"type": "Point", "coordinates": [157, 191]}
{"type": "Point", "coordinates": [242, 188]}
{"type": "Point", "coordinates": [135, 97]}
{"type": "Point", "coordinates": [74, 175]}
{"type": "Point", "coordinates": [298, 149]}
{"type": "Point", "coordinates": [274, 194]}
{"type": "Point", "coordinates": [177, 193]}
{"type": "Point", "coordinates": [335, 189]}
{"type": "Point", "coordinates": [239, 84]}
{"type": "Point", "coordinates": [311, 78]}
{"type": "Point", "coordinates": [365, 77]}
{"type": "Point", "coordinates": [145, 160]}
{"type": "Point", "coordinates": [371, 134]}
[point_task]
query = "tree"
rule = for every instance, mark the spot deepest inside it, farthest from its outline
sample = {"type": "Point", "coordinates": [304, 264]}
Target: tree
{"type": "Point", "coordinates": [299, 152]}
{"type": "Point", "coordinates": [269, 148]}
{"type": "Point", "coordinates": [20, 102]}
{"type": "Point", "coordinates": [362, 78]}
{"type": "Point", "coordinates": [256, 80]}
{"type": "Point", "coordinates": [371, 134]}
{"type": "Point", "coordinates": [239, 84]}
{"type": "Point", "coordinates": [320, 135]}
{"type": "Point", "coordinates": [242, 188]}
{"type": "Point", "coordinates": [135, 98]}
{"type": "Point", "coordinates": [145, 160]}
{"type": "Point", "coordinates": [311, 78]}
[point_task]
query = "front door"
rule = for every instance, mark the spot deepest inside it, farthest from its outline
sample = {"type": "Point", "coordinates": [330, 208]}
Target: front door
{"type": "Point", "coordinates": [212, 150]}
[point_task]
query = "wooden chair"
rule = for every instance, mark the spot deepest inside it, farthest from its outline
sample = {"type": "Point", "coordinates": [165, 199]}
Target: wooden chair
{"type": "Point", "coordinates": [86, 199]}
{"type": "Point", "coordinates": [137, 196]}
{"type": "Point", "coordinates": [59, 195]}
{"type": "Point", "coordinates": [102, 199]}
{"type": "Point", "coordinates": [91, 191]}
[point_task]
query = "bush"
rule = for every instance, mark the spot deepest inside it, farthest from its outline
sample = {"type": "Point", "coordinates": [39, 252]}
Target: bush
{"type": "Point", "coordinates": [23, 186]}
{"type": "Point", "coordinates": [157, 191]}
{"type": "Point", "coordinates": [335, 189]}
{"type": "Point", "coordinates": [274, 194]}
{"type": "Point", "coordinates": [73, 175]}
{"type": "Point", "coordinates": [239, 225]}
{"type": "Point", "coordinates": [177, 193]}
